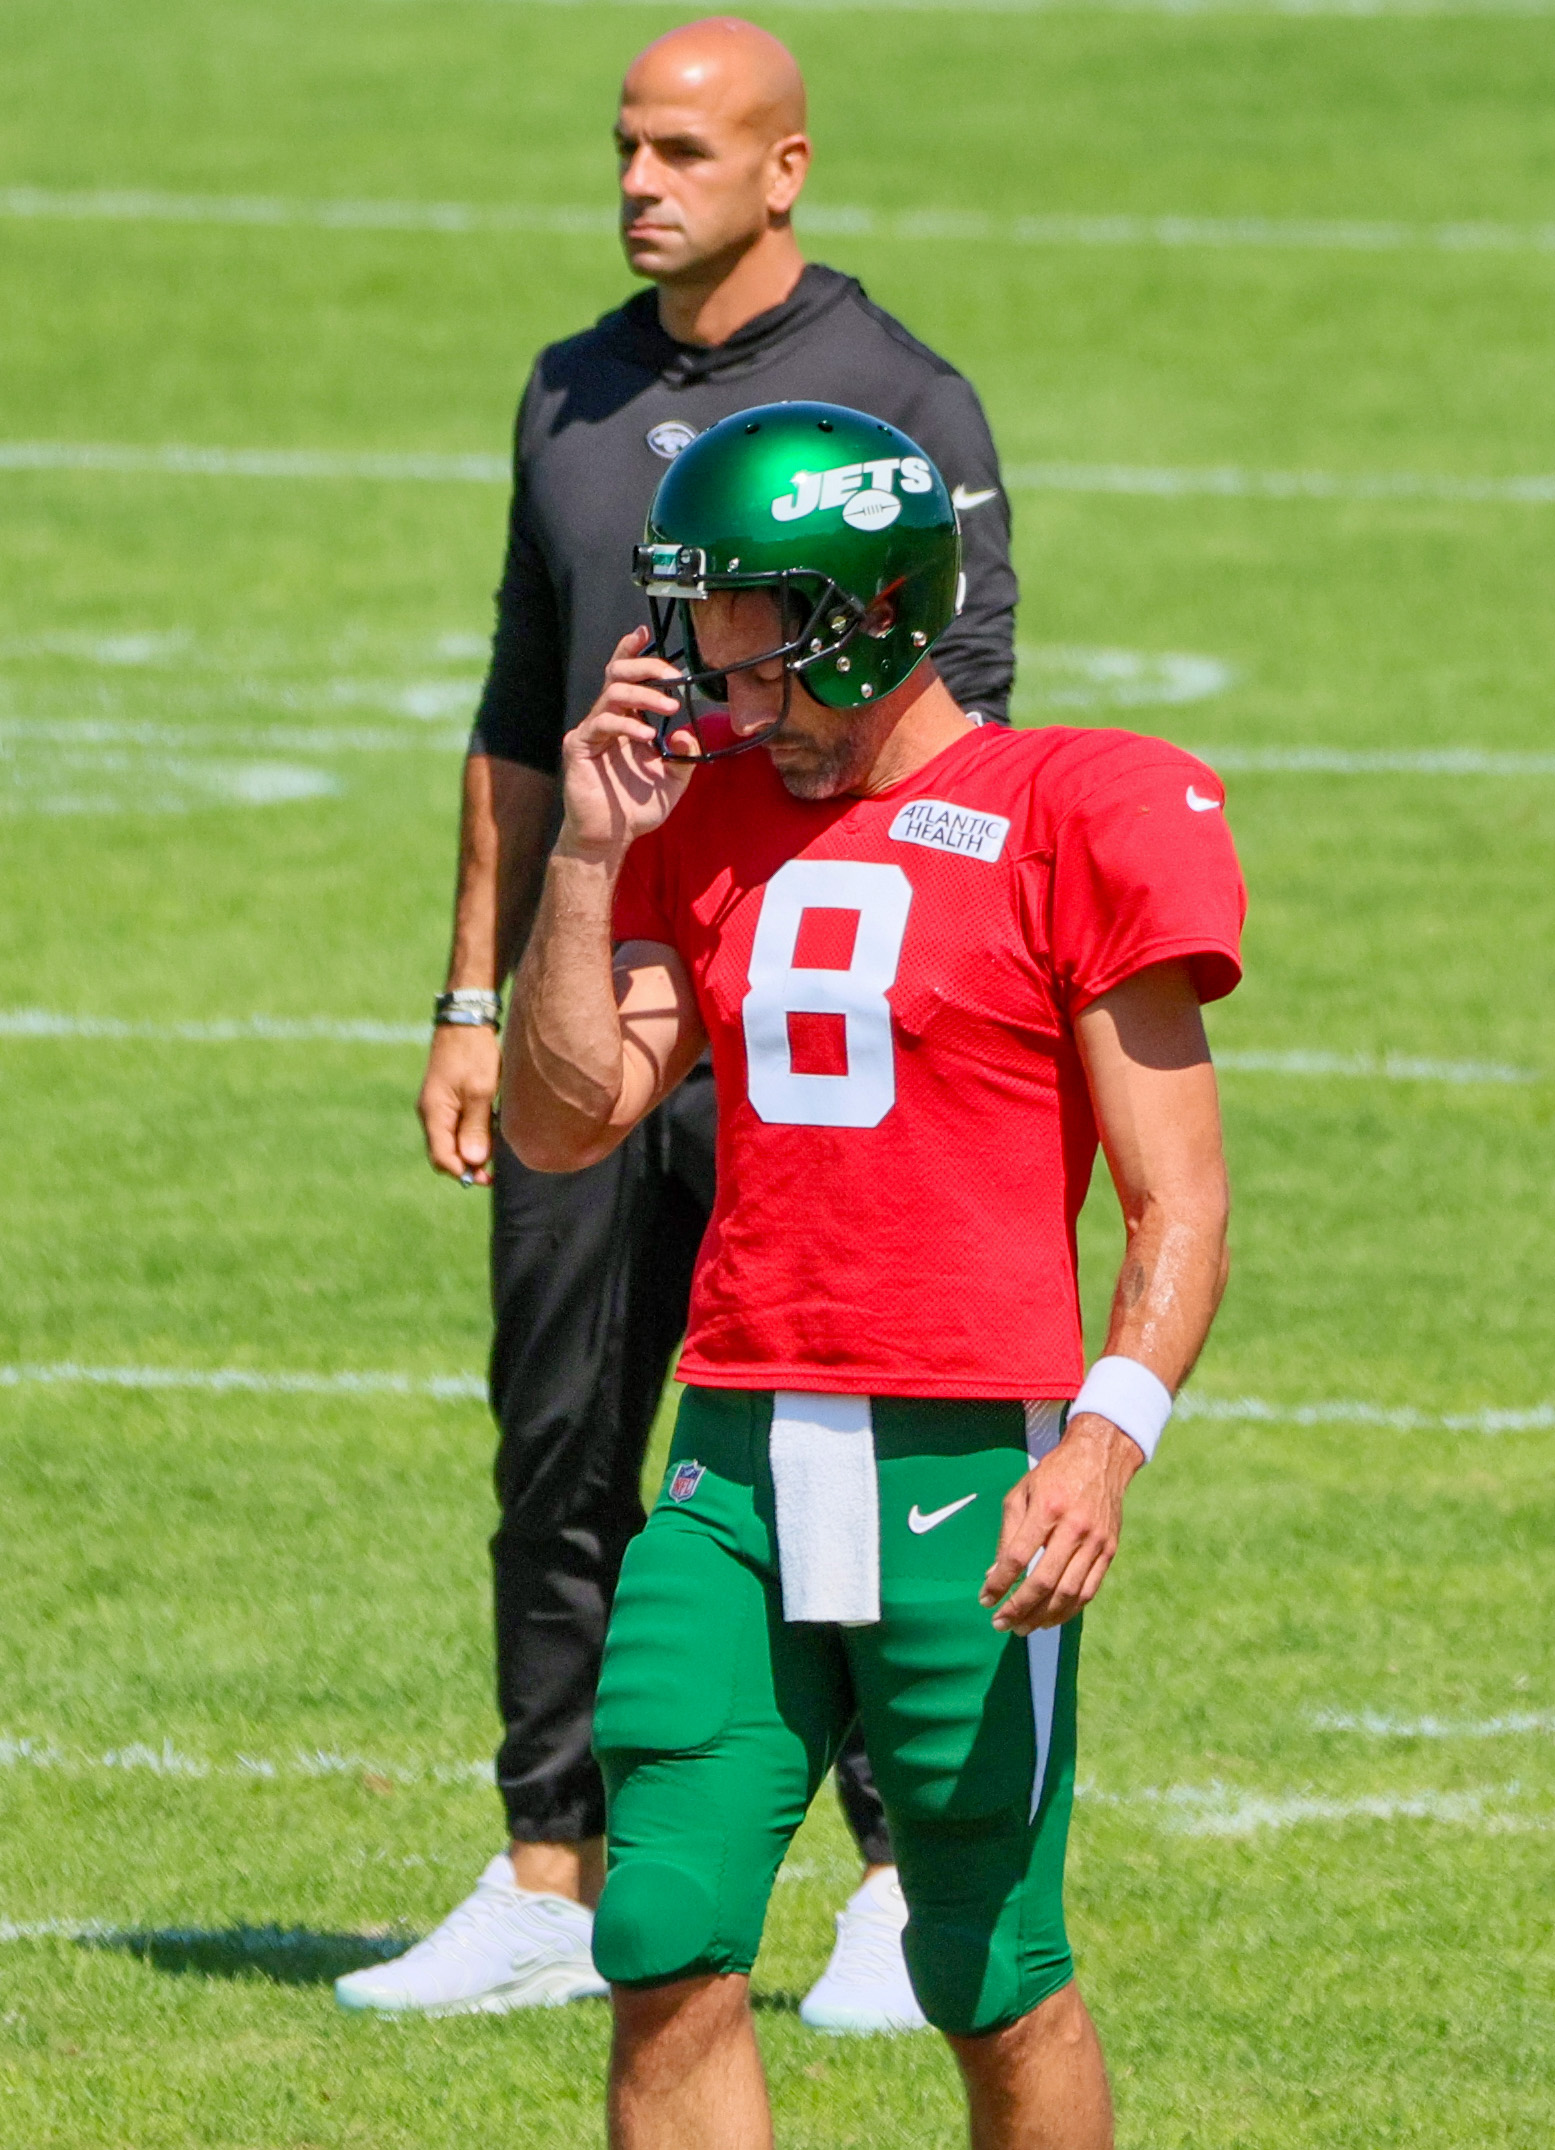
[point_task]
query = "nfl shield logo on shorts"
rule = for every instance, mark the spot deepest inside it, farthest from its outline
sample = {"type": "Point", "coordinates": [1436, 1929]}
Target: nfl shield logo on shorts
{"type": "Point", "coordinates": [688, 1476]}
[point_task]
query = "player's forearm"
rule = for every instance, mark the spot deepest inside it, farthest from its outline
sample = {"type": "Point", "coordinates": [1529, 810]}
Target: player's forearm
{"type": "Point", "coordinates": [563, 1068]}
{"type": "Point", "coordinates": [1173, 1274]}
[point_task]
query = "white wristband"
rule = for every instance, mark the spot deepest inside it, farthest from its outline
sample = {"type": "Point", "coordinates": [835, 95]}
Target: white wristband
{"type": "Point", "coordinates": [1137, 1403]}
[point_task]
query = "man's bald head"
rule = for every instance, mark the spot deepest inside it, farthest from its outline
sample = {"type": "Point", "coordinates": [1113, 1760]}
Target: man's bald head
{"type": "Point", "coordinates": [723, 63]}
{"type": "Point", "coordinates": [713, 152]}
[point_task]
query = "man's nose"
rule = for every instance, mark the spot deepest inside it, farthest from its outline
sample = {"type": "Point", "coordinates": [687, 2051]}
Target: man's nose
{"type": "Point", "coordinates": [751, 701]}
{"type": "Point", "coordinates": [639, 180]}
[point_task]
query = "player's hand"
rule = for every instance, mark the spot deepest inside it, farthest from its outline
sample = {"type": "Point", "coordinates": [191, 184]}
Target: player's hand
{"type": "Point", "coordinates": [616, 784]}
{"type": "Point", "coordinates": [457, 1094]}
{"type": "Point", "coordinates": [1070, 1509]}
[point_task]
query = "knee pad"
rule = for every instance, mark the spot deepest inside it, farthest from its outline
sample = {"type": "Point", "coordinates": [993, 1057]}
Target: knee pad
{"type": "Point", "coordinates": [655, 1922]}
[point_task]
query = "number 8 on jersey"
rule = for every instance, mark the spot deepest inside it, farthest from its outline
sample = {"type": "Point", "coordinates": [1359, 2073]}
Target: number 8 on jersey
{"type": "Point", "coordinates": [880, 898]}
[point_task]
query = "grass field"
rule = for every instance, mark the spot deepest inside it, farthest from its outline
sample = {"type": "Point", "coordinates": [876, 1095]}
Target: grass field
{"type": "Point", "coordinates": [244, 1631]}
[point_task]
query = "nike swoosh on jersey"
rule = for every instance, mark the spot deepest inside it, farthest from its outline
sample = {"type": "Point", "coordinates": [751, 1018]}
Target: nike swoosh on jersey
{"type": "Point", "coordinates": [918, 1522]}
{"type": "Point", "coordinates": [961, 499]}
{"type": "Point", "coordinates": [1198, 804]}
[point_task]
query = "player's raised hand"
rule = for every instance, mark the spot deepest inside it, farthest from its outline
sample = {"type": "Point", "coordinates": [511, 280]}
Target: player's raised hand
{"type": "Point", "coordinates": [1070, 1510]}
{"type": "Point", "coordinates": [616, 784]}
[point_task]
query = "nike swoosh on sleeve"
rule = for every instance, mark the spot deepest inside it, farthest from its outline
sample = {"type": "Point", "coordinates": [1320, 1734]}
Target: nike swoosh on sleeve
{"type": "Point", "coordinates": [961, 499]}
{"type": "Point", "coordinates": [1198, 804]}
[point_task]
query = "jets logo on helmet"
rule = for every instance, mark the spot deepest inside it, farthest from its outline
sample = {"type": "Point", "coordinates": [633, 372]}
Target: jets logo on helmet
{"type": "Point", "coordinates": [839, 488]}
{"type": "Point", "coordinates": [840, 516]}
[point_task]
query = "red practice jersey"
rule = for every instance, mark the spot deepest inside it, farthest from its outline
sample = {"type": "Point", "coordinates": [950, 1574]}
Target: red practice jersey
{"type": "Point", "coordinates": [890, 985]}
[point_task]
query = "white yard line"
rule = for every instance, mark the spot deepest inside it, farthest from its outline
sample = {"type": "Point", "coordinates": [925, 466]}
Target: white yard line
{"type": "Point", "coordinates": [174, 460]}
{"type": "Point", "coordinates": [1371, 1067]}
{"type": "Point", "coordinates": [1228, 482]}
{"type": "Point", "coordinates": [42, 1023]}
{"type": "Point", "coordinates": [1378, 1724]}
{"type": "Point", "coordinates": [78, 733]}
{"type": "Point", "coordinates": [1212, 1810]}
{"type": "Point", "coordinates": [1373, 761]}
{"type": "Point", "coordinates": [1350, 1411]}
{"type": "Point", "coordinates": [1367, 235]}
{"type": "Point", "coordinates": [1218, 1810]}
{"type": "Point", "coordinates": [286, 1030]}
{"type": "Point", "coordinates": [148, 205]}
{"type": "Point", "coordinates": [244, 1380]}
{"type": "Point", "coordinates": [166, 1760]}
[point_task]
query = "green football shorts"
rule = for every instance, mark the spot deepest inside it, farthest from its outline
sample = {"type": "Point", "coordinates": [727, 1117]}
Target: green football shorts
{"type": "Point", "coordinates": [717, 1720]}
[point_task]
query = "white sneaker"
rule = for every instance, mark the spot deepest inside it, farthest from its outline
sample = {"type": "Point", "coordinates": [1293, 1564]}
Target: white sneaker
{"type": "Point", "coordinates": [503, 1947]}
{"type": "Point", "coordinates": [865, 1987]}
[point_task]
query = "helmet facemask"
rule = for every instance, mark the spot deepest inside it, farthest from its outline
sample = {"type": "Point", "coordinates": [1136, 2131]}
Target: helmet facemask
{"type": "Point", "coordinates": [817, 620]}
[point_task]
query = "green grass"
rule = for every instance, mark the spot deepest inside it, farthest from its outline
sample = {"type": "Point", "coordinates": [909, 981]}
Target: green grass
{"type": "Point", "coordinates": [244, 1638]}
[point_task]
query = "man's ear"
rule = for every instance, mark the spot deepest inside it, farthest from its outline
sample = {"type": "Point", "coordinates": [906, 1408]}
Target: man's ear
{"type": "Point", "coordinates": [788, 161]}
{"type": "Point", "coordinates": [881, 616]}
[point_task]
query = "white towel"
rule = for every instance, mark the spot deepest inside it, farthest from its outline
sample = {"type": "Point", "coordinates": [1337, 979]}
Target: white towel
{"type": "Point", "coordinates": [828, 1508]}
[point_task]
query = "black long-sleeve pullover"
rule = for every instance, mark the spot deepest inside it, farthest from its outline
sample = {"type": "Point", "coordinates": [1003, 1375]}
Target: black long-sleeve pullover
{"type": "Point", "coordinates": [602, 414]}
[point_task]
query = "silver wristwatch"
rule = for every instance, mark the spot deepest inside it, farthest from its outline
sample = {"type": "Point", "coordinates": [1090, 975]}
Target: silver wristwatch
{"type": "Point", "coordinates": [467, 1007]}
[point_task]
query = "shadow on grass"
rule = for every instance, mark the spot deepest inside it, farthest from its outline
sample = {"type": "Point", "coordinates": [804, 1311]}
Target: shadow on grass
{"type": "Point", "coordinates": [290, 1956]}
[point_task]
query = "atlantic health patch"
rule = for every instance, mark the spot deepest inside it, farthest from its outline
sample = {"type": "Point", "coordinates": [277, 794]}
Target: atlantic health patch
{"type": "Point", "coordinates": [942, 827]}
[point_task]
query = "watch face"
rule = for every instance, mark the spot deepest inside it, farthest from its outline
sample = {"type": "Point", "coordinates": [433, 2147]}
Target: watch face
{"type": "Point", "coordinates": [669, 437]}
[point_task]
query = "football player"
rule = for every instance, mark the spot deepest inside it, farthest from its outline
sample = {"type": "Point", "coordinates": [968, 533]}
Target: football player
{"type": "Point", "coordinates": [934, 962]}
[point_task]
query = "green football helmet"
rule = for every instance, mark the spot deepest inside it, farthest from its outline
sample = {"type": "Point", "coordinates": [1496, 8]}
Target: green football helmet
{"type": "Point", "coordinates": [844, 519]}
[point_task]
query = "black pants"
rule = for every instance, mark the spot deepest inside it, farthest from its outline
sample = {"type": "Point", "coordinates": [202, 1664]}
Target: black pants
{"type": "Point", "coordinates": [591, 1273]}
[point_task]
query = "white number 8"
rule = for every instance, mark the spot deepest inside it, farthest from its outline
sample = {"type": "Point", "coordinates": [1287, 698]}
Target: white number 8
{"type": "Point", "coordinates": [882, 897]}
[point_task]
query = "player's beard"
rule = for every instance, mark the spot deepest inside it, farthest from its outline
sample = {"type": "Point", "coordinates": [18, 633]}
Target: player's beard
{"type": "Point", "coordinates": [831, 765]}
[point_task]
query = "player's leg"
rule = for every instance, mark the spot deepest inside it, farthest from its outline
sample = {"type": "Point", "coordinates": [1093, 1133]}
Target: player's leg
{"type": "Point", "coordinates": [685, 2072]}
{"type": "Point", "coordinates": [973, 1738]}
{"type": "Point", "coordinates": [715, 1724]}
{"type": "Point", "coordinates": [1041, 2083]}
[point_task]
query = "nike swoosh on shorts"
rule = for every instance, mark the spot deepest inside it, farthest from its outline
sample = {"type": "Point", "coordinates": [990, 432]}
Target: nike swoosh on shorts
{"type": "Point", "coordinates": [918, 1522]}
